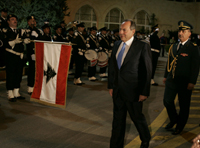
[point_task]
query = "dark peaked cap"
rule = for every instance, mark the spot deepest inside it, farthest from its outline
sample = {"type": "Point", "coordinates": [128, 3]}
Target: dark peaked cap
{"type": "Point", "coordinates": [30, 17]}
{"type": "Point", "coordinates": [4, 10]}
{"type": "Point", "coordinates": [183, 25]}
{"type": "Point", "coordinates": [103, 29]}
{"type": "Point", "coordinates": [93, 28]}
{"type": "Point", "coordinates": [82, 24]}
{"type": "Point", "coordinates": [11, 15]}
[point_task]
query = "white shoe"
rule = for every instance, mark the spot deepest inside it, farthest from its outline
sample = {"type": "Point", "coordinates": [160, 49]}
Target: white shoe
{"type": "Point", "coordinates": [103, 75]}
{"type": "Point", "coordinates": [16, 92]}
{"type": "Point", "coordinates": [92, 78]}
{"type": "Point", "coordinates": [30, 90]}
{"type": "Point", "coordinates": [77, 81]}
{"type": "Point", "coordinates": [10, 94]}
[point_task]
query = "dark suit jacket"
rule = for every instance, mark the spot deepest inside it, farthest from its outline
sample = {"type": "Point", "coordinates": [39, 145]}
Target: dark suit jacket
{"type": "Point", "coordinates": [133, 78]}
{"type": "Point", "coordinates": [187, 64]}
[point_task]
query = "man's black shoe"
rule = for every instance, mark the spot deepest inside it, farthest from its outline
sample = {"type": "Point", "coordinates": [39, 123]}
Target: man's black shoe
{"type": "Point", "coordinates": [176, 132]}
{"type": "Point", "coordinates": [169, 126]}
{"type": "Point", "coordinates": [12, 99]}
{"type": "Point", "coordinates": [144, 145]}
{"type": "Point", "coordinates": [154, 84]}
{"type": "Point", "coordinates": [20, 98]}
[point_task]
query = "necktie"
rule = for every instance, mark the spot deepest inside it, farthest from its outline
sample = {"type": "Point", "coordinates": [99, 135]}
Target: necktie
{"type": "Point", "coordinates": [179, 48]}
{"type": "Point", "coordinates": [14, 30]}
{"type": "Point", "coordinates": [120, 55]}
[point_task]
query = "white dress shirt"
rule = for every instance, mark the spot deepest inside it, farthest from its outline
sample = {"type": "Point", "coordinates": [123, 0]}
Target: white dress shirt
{"type": "Point", "coordinates": [183, 43]}
{"type": "Point", "coordinates": [128, 45]}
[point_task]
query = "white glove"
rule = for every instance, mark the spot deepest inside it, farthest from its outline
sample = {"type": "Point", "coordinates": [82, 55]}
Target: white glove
{"type": "Point", "coordinates": [33, 57]}
{"type": "Point", "coordinates": [16, 41]}
{"type": "Point", "coordinates": [27, 41]}
{"type": "Point", "coordinates": [80, 53]}
{"type": "Point", "coordinates": [96, 50]}
{"type": "Point", "coordinates": [33, 33]}
{"type": "Point", "coordinates": [100, 48]}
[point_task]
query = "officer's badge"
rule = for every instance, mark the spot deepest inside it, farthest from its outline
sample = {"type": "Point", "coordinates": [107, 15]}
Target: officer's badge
{"type": "Point", "coordinates": [4, 30]}
{"type": "Point", "coordinates": [100, 38]}
{"type": "Point", "coordinates": [111, 44]}
{"type": "Point", "coordinates": [76, 33]}
{"type": "Point", "coordinates": [184, 54]}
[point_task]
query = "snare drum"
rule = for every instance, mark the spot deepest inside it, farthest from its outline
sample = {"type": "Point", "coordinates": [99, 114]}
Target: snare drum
{"type": "Point", "coordinates": [102, 59]}
{"type": "Point", "coordinates": [91, 55]}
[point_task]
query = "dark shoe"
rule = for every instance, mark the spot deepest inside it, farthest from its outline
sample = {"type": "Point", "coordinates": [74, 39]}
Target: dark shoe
{"type": "Point", "coordinates": [30, 93]}
{"type": "Point", "coordinates": [176, 132]}
{"type": "Point", "coordinates": [144, 145]}
{"type": "Point", "coordinates": [20, 98]}
{"type": "Point", "coordinates": [12, 99]}
{"type": "Point", "coordinates": [154, 84]}
{"type": "Point", "coordinates": [169, 126]}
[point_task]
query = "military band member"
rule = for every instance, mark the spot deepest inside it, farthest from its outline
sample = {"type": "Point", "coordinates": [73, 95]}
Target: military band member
{"type": "Point", "coordinates": [32, 33]}
{"type": "Point", "coordinates": [64, 32]}
{"type": "Point", "coordinates": [3, 18]}
{"type": "Point", "coordinates": [78, 51]}
{"type": "Point", "coordinates": [2, 48]}
{"type": "Point", "coordinates": [104, 45]}
{"type": "Point", "coordinates": [92, 43]}
{"type": "Point", "coordinates": [69, 38]}
{"type": "Point", "coordinates": [46, 33]}
{"type": "Point", "coordinates": [14, 58]}
{"type": "Point", "coordinates": [155, 51]}
{"type": "Point", "coordinates": [115, 37]}
{"type": "Point", "coordinates": [58, 35]}
{"type": "Point", "coordinates": [180, 77]}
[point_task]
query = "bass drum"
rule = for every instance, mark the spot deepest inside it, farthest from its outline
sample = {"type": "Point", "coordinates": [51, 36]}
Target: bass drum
{"type": "Point", "coordinates": [102, 59]}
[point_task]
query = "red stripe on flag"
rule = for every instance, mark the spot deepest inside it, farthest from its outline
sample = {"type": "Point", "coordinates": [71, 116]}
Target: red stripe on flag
{"type": "Point", "coordinates": [62, 74]}
{"type": "Point", "coordinates": [39, 50]}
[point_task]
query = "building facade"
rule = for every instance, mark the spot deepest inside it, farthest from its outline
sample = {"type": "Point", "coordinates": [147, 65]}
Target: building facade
{"type": "Point", "coordinates": [111, 13]}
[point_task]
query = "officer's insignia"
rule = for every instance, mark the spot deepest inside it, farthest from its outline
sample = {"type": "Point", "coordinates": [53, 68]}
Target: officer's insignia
{"type": "Point", "coordinates": [88, 45]}
{"type": "Point", "coordinates": [99, 38]}
{"type": "Point", "coordinates": [194, 44]}
{"type": "Point", "coordinates": [184, 54]}
{"type": "Point", "coordinates": [76, 33]}
{"type": "Point", "coordinates": [1, 43]}
{"type": "Point", "coordinates": [181, 24]}
{"type": "Point", "coordinates": [50, 73]}
{"type": "Point", "coordinates": [112, 44]}
{"type": "Point", "coordinates": [4, 30]}
{"type": "Point", "coordinates": [54, 37]}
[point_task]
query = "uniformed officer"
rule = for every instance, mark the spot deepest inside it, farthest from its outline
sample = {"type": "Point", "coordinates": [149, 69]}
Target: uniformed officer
{"type": "Point", "coordinates": [78, 51]}
{"type": "Point", "coordinates": [58, 35]}
{"type": "Point", "coordinates": [46, 33]}
{"type": "Point", "coordinates": [14, 58]}
{"type": "Point", "coordinates": [104, 45]}
{"type": "Point", "coordinates": [32, 33]}
{"type": "Point", "coordinates": [155, 51]}
{"type": "Point", "coordinates": [180, 77]}
{"type": "Point", "coordinates": [92, 43]}
{"type": "Point", "coordinates": [3, 18]}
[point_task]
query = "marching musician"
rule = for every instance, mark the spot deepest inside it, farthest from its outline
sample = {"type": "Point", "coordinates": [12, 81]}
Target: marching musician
{"type": "Point", "coordinates": [14, 58]}
{"type": "Point", "coordinates": [32, 33]}
{"type": "Point", "coordinates": [104, 45]}
{"type": "Point", "coordinates": [58, 35]}
{"type": "Point", "coordinates": [92, 43]}
{"type": "Point", "coordinates": [155, 51]}
{"type": "Point", "coordinates": [78, 52]}
{"type": "Point", "coordinates": [64, 33]}
{"type": "Point", "coordinates": [3, 18]}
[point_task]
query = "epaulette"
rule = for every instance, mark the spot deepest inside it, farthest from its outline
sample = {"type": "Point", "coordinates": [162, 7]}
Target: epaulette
{"type": "Point", "coordinates": [194, 44]}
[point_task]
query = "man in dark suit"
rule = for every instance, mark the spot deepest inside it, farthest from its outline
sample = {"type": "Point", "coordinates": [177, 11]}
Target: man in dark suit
{"type": "Point", "coordinates": [180, 77]}
{"type": "Point", "coordinates": [129, 76]}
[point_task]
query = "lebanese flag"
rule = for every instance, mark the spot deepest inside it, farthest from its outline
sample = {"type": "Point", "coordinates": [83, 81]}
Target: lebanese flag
{"type": "Point", "coordinates": [52, 64]}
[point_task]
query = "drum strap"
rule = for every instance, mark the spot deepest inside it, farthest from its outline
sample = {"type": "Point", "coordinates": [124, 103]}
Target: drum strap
{"type": "Point", "coordinates": [97, 44]}
{"type": "Point", "coordinates": [82, 37]}
{"type": "Point", "coordinates": [105, 39]}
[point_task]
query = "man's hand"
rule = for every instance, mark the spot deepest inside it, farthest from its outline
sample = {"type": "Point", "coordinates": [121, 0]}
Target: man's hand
{"type": "Point", "coordinates": [164, 80]}
{"type": "Point", "coordinates": [142, 98]}
{"type": "Point", "coordinates": [190, 86]}
{"type": "Point", "coordinates": [111, 92]}
{"type": "Point", "coordinates": [196, 142]}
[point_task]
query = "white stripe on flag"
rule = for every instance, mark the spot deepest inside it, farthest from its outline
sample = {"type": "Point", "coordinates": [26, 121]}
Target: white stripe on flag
{"type": "Point", "coordinates": [52, 56]}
